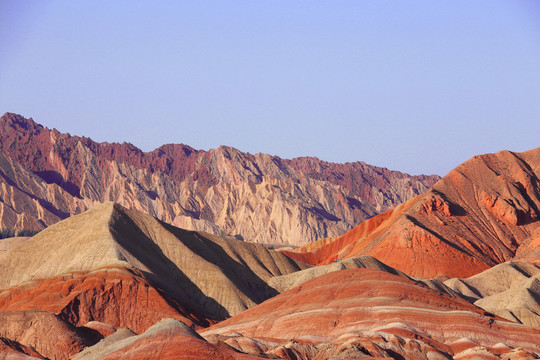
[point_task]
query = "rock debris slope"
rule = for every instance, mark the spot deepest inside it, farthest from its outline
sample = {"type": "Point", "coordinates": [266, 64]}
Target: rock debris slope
{"type": "Point", "coordinates": [483, 213]}
{"type": "Point", "coordinates": [259, 198]}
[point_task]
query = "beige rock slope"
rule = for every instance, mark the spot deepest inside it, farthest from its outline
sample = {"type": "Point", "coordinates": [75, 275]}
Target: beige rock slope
{"type": "Point", "coordinates": [219, 277]}
{"type": "Point", "coordinates": [260, 198]}
{"type": "Point", "coordinates": [510, 290]}
{"type": "Point", "coordinates": [285, 282]}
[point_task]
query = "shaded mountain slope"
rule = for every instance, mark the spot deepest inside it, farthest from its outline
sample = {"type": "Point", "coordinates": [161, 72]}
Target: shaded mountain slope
{"type": "Point", "coordinates": [259, 198]}
{"type": "Point", "coordinates": [364, 313]}
{"type": "Point", "coordinates": [217, 276]}
{"type": "Point", "coordinates": [12, 350]}
{"type": "Point", "coordinates": [483, 213]}
{"type": "Point", "coordinates": [28, 202]}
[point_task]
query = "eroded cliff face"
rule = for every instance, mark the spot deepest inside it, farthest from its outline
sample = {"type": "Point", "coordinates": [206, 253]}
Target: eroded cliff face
{"type": "Point", "coordinates": [259, 198]}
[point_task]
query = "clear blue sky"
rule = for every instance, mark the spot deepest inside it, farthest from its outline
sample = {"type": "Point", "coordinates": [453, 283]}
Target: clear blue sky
{"type": "Point", "coordinates": [415, 86]}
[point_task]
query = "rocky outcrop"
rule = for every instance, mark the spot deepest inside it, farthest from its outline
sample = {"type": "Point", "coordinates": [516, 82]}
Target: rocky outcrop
{"type": "Point", "coordinates": [258, 198]}
{"type": "Point", "coordinates": [483, 213]}
{"type": "Point", "coordinates": [362, 313]}
{"type": "Point", "coordinates": [12, 350]}
{"type": "Point", "coordinates": [108, 268]}
{"type": "Point", "coordinates": [28, 202]}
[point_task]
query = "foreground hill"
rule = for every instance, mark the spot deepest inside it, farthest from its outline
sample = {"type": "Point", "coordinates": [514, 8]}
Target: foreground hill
{"type": "Point", "coordinates": [484, 212]}
{"type": "Point", "coordinates": [365, 313]}
{"type": "Point", "coordinates": [47, 176]}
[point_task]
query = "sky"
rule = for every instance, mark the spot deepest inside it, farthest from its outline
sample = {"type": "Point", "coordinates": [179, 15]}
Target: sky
{"type": "Point", "coordinates": [414, 86]}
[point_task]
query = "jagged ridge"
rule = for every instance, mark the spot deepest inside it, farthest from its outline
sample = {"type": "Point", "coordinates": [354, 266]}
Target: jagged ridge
{"type": "Point", "coordinates": [259, 198]}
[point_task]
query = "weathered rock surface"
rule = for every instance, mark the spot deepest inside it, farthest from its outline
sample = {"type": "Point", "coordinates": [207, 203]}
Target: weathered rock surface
{"type": "Point", "coordinates": [108, 268]}
{"type": "Point", "coordinates": [217, 276]}
{"type": "Point", "coordinates": [483, 213]}
{"type": "Point", "coordinates": [259, 198]}
{"type": "Point", "coordinates": [285, 282]}
{"type": "Point", "coordinates": [28, 202]}
{"type": "Point", "coordinates": [362, 313]}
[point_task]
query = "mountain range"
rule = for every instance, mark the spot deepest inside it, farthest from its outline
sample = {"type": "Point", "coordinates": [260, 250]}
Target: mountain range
{"type": "Point", "coordinates": [449, 272]}
{"type": "Point", "coordinates": [47, 176]}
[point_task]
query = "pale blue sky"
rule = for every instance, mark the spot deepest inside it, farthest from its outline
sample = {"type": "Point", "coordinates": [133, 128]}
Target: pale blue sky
{"type": "Point", "coordinates": [415, 86]}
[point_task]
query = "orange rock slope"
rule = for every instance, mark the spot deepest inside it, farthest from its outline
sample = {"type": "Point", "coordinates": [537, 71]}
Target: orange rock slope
{"type": "Point", "coordinates": [364, 312]}
{"type": "Point", "coordinates": [483, 213]}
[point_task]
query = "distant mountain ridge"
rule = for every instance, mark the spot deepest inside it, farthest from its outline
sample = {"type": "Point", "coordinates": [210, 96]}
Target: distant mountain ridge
{"type": "Point", "coordinates": [47, 175]}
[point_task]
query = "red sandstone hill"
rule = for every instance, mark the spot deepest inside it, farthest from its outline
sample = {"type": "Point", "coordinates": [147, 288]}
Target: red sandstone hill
{"type": "Point", "coordinates": [483, 213]}
{"type": "Point", "coordinates": [366, 313]}
{"type": "Point", "coordinates": [47, 176]}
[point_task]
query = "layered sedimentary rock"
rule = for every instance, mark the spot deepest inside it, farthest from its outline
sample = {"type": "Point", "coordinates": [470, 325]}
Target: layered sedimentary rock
{"type": "Point", "coordinates": [362, 313]}
{"type": "Point", "coordinates": [12, 350]}
{"type": "Point", "coordinates": [286, 282]}
{"type": "Point", "coordinates": [28, 202]}
{"type": "Point", "coordinates": [83, 278]}
{"type": "Point", "coordinates": [483, 213]}
{"type": "Point", "coordinates": [259, 198]}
